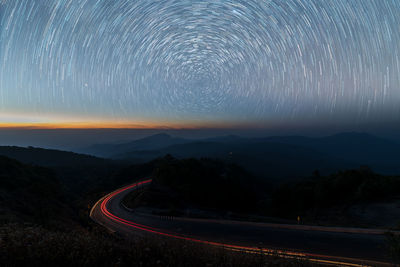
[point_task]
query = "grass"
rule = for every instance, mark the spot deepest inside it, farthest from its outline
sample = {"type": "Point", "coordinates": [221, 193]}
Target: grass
{"type": "Point", "coordinates": [393, 247]}
{"type": "Point", "coordinates": [24, 245]}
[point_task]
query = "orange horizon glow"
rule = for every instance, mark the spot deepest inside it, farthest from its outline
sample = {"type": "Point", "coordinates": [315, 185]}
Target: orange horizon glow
{"type": "Point", "coordinates": [64, 121]}
{"type": "Point", "coordinates": [116, 125]}
{"type": "Point", "coordinates": [79, 125]}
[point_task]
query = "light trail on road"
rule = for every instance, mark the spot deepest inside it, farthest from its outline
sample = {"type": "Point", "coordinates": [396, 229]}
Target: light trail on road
{"type": "Point", "coordinates": [315, 258]}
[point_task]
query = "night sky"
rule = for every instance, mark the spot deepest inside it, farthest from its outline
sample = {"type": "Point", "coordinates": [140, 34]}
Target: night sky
{"type": "Point", "coordinates": [184, 63]}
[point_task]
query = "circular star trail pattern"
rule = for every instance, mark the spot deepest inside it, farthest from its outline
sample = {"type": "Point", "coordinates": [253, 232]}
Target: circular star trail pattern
{"type": "Point", "coordinates": [223, 61]}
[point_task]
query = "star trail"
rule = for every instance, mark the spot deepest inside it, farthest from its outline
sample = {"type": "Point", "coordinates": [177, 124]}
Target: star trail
{"type": "Point", "coordinates": [216, 62]}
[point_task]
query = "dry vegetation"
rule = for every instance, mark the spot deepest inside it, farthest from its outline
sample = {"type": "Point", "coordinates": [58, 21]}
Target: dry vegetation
{"type": "Point", "coordinates": [22, 245]}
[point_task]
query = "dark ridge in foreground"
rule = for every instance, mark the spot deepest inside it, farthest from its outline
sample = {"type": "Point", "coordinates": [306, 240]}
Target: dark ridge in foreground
{"type": "Point", "coordinates": [48, 157]}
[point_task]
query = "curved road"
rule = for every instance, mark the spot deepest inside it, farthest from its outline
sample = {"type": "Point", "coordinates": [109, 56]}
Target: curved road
{"type": "Point", "coordinates": [334, 246]}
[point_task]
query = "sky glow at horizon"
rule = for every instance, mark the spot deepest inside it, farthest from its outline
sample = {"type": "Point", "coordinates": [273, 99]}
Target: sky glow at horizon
{"type": "Point", "coordinates": [97, 63]}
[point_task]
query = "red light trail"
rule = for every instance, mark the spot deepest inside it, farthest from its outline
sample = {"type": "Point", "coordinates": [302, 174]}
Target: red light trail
{"type": "Point", "coordinates": [322, 259]}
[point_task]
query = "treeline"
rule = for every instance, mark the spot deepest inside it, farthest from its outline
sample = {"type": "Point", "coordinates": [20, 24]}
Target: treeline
{"type": "Point", "coordinates": [343, 188]}
{"type": "Point", "coordinates": [209, 183]}
{"type": "Point", "coordinates": [201, 183]}
{"type": "Point", "coordinates": [213, 184]}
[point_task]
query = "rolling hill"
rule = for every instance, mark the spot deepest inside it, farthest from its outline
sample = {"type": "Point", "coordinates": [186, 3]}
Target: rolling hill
{"type": "Point", "coordinates": [148, 143]}
{"type": "Point", "coordinates": [48, 157]}
{"type": "Point", "coordinates": [271, 157]}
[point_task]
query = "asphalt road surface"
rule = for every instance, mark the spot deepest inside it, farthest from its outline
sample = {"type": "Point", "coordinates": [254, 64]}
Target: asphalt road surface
{"type": "Point", "coordinates": [334, 246]}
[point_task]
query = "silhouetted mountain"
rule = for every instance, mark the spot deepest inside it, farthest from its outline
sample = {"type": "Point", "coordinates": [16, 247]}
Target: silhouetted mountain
{"type": "Point", "coordinates": [267, 159]}
{"type": "Point", "coordinates": [76, 171]}
{"type": "Point", "coordinates": [381, 154]}
{"type": "Point", "coordinates": [346, 145]}
{"type": "Point", "coordinates": [224, 139]}
{"type": "Point", "coordinates": [48, 157]}
{"type": "Point", "coordinates": [275, 157]}
{"type": "Point", "coordinates": [152, 142]}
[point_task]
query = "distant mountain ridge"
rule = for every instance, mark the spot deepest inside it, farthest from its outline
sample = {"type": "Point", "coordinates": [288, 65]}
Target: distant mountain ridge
{"type": "Point", "coordinates": [269, 160]}
{"type": "Point", "coordinates": [148, 143]}
{"type": "Point", "coordinates": [277, 156]}
{"type": "Point", "coordinates": [351, 145]}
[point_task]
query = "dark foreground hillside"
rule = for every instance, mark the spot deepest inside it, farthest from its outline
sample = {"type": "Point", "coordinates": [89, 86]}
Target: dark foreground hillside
{"type": "Point", "coordinates": [41, 224]}
{"type": "Point", "coordinates": [43, 219]}
{"type": "Point", "coordinates": [31, 194]}
{"type": "Point", "coordinates": [77, 172]}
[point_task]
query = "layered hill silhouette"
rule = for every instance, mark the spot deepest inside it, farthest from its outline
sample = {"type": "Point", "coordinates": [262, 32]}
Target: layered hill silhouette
{"type": "Point", "coordinates": [77, 172]}
{"type": "Point", "coordinates": [153, 142]}
{"type": "Point", "coordinates": [279, 157]}
{"type": "Point", "coordinates": [271, 157]}
{"type": "Point", "coordinates": [48, 157]}
{"type": "Point", "coordinates": [361, 146]}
